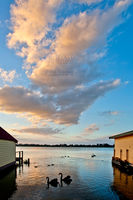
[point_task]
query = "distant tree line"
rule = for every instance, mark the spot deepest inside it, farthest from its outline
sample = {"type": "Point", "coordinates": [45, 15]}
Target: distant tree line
{"type": "Point", "coordinates": [65, 145]}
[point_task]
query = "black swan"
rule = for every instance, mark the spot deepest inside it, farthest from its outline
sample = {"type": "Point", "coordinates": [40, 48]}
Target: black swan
{"type": "Point", "coordinates": [54, 182]}
{"type": "Point", "coordinates": [66, 180]}
{"type": "Point", "coordinates": [93, 155]}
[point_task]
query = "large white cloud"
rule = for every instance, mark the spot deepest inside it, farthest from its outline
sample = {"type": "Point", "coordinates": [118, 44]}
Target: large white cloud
{"type": "Point", "coordinates": [77, 34]}
{"type": "Point", "coordinates": [62, 66]}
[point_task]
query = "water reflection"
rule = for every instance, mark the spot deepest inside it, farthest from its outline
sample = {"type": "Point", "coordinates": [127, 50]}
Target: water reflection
{"type": "Point", "coordinates": [91, 177]}
{"type": "Point", "coordinates": [8, 184]}
{"type": "Point", "coordinates": [122, 184]}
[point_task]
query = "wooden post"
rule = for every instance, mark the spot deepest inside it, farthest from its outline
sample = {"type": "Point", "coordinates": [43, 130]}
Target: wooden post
{"type": "Point", "coordinates": [19, 157]}
{"type": "Point", "coordinates": [22, 156]}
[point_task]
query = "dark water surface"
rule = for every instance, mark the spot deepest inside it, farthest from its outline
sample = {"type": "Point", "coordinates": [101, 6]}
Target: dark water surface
{"type": "Point", "coordinates": [92, 178]}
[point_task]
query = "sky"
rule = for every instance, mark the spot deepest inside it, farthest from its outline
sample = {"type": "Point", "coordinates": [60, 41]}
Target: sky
{"type": "Point", "coordinates": [66, 70]}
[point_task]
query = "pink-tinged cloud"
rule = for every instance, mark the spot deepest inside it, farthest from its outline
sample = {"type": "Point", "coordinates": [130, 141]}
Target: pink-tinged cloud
{"type": "Point", "coordinates": [110, 113]}
{"type": "Point", "coordinates": [63, 109]}
{"type": "Point", "coordinates": [74, 37]}
{"type": "Point", "coordinates": [29, 25]}
{"type": "Point", "coordinates": [7, 76]}
{"type": "Point", "coordinates": [64, 67]}
{"type": "Point", "coordinates": [91, 129]}
{"type": "Point", "coordinates": [45, 131]}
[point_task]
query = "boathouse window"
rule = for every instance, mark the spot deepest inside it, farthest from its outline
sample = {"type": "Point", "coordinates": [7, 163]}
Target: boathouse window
{"type": "Point", "coordinates": [127, 154]}
{"type": "Point", "coordinates": [121, 154]}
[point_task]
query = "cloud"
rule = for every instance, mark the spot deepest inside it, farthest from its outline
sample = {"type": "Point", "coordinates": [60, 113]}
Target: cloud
{"type": "Point", "coordinates": [63, 109]}
{"type": "Point", "coordinates": [126, 82]}
{"type": "Point", "coordinates": [91, 129]}
{"type": "Point", "coordinates": [100, 140]}
{"type": "Point", "coordinates": [90, 1]}
{"type": "Point", "coordinates": [29, 25]}
{"type": "Point", "coordinates": [78, 36]}
{"type": "Point", "coordinates": [22, 100]}
{"type": "Point", "coordinates": [60, 59]}
{"type": "Point", "coordinates": [7, 76]}
{"type": "Point", "coordinates": [109, 113]}
{"type": "Point", "coordinates": [74, 102]}
{"type": "Point", "coordinates": [88, 30]}
{"type": "Point", "coordinates": [65, 77]}
{"type": "Point", "coordinates": [39, 131]}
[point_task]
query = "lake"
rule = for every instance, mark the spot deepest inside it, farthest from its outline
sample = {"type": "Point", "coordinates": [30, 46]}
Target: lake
{"type": "Point", "coordinates": [92, 178]}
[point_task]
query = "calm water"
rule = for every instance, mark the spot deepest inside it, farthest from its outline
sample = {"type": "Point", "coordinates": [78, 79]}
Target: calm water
{"type": "Point", "coordinates": [92, 178]}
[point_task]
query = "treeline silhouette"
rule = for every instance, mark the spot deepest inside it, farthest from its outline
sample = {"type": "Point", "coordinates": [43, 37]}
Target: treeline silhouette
{"type": "Point", "coordinates": [65, 145]}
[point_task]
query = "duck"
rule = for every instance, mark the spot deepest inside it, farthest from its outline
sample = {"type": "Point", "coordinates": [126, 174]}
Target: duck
{"type": "Point", "coordinates": [54, 182]}
{"type": "Point", "coordinates": [93, 155]}
{"type": "Point", "coordinates": [50, 165]}
{"type": "Point", "coordinates": [26, 162]}
{"type": "Point", "coordinates": [66, 180]}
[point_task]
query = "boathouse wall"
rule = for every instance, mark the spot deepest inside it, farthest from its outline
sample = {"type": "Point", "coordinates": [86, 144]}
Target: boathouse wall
{"type": "Point", "coordinates": [124, 148]}
{"type": "Point", "coordinates": [7, 153]}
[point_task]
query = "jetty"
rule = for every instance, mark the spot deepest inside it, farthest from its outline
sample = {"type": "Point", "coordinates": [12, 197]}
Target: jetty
{"type": "Point", "coordinates": [19, 157]}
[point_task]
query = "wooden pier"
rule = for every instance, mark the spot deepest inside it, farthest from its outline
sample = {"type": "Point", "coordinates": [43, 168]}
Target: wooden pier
{"type": "Point", "coordinates": [123, 165]}
{"type": "Point", "coordinates": [19, 157]}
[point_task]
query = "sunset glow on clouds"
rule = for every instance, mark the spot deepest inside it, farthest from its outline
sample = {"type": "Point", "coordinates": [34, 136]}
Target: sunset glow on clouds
{"type": "Point", "coordinates": [64, 68]}
{"type": "Point", "coordinates": [7, 76]}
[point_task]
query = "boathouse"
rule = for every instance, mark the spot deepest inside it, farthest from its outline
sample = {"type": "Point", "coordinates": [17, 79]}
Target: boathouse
{"type": "Point", "coordinates": [7, 150]}
{"type": "Point", "coordinates": [123, 149]}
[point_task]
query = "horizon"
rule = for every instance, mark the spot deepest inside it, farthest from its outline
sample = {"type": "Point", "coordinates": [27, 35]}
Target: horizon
{"type": "Point", "coordinates": [66, 70]}
{"type": "Point", "coordinates": [98, 144]}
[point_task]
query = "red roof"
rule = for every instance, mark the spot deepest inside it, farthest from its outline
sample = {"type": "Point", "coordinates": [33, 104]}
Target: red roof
{"type": "Point", "coordinates": [6, 136]}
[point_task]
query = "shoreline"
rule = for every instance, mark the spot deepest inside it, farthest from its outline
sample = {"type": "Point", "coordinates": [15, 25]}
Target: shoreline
{"type": "Point", "coordinates": [67, 146]}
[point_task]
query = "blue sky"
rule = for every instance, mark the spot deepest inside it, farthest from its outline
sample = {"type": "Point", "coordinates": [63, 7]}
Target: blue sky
{"type": "Point", "coordinates": [66, 70]}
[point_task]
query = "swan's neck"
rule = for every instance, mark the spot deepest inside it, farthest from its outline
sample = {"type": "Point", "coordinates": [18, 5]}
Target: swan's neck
{"type": "Point", "coordinates": [47, 180]}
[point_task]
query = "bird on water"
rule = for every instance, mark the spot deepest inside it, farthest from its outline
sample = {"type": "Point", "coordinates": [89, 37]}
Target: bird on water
{"type": "Point", "coordinates": [93, 155]}
{"type": "Point", "coordinates": [54, 182]}
{"type": "Point", "coordinates": [66, 180]}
